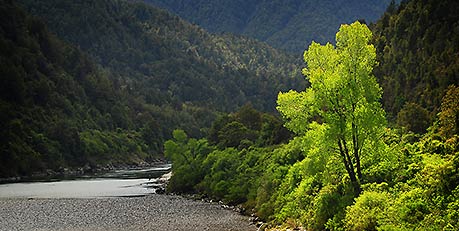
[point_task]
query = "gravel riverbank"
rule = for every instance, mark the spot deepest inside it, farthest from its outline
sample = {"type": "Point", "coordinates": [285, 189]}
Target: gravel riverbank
{"type": "Point", "coordinates": [152, 212]}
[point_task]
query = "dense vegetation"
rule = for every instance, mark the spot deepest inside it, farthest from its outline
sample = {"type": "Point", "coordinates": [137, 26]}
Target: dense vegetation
{"type": "Point", "coordinates": [144, 73]}
{"type": "Point", "coordinates": [125, 75]}
{"type": "Point", "coordinates": [170, 62]}
{"type": "Point", "coordinates": [57, 108]}
{"type": "Point", "coordinates": [343, 169]}
{"type": "Point", "coordinates": [230, 134]}
{"type": "Point", "coordinates": [289, 25]}
{"type": "Point", "coordinates": [418, 51]}
{"type": "Point", "coordinates": [185, 74]}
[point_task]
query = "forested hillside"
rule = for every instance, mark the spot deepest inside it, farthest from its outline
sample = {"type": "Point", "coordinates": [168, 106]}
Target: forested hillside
{"type": "Point", "coordinates": [58, 109]}
{"type": "Point", "coordinates": [126, 75]}
{"type": "Point", "coordinates": [418, 50]}
{"type": "Point", "coordinates": [290, 25]}
{"type": "Point", "coordinates": [184, 73]}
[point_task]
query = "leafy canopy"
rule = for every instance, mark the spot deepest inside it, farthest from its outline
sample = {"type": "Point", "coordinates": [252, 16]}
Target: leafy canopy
{"type": "Point", "coordinates": [344, 96]}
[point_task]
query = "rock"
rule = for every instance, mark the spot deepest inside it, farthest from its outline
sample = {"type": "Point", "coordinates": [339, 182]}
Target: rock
{"type": "Point", "coordinates": [263, 227]}
{"type": "Point", "coordinates": [160, 190]}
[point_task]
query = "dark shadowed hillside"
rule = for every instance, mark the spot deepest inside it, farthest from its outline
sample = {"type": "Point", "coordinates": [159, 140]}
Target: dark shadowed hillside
{"type": "Point", "coordinates": [173, 65]}
{"type": "Point", "coordinates": [290, 25]}
{"type": "Point", "coordinates": [110, 80]}
{"type": "Point", "coordinates": [58, 109]}
{"type": "Point", "coordinates": [418, 50]}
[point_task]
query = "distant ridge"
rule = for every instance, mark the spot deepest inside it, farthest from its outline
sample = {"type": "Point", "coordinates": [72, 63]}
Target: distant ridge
{"type": "Point", "coordinates": [290, 25]}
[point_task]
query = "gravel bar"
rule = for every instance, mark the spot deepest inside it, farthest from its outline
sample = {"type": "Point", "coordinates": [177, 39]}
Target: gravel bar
{"type": "Point", "coordinates": [152, 212]}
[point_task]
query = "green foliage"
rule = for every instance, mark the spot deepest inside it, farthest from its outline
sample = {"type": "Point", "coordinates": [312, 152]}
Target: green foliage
{"type": "Point", "coordinates": [417, 48]}
{"type": "Point", "coordinates": [343, 94]}
{"type": "Point", "coordinates": [222, 172]}
{"type": "Point", "coordinates": [408, 181]}
{"type": "Point", "coordinates": [424, 201]}
{"type": "Point", "coordinates": [161, 73]}
{"type": "Point", "coordinates": [247, 127]}
{"type": "Point", "coordinates": [276, 168]}
{"type": "Point", "coordinates": [187, 154]}
{"type": "Point", "coordinates": [449, 114]}
{"type": "Point", "coordinates": [233, 133]}
{"type": "Point", "coordinates": [113, 148]}
{"type": "Point", "coordinates": [384, 159]}
{"type": "Point", "coordinates": [184, 75]}
{"type": "Point", "coordinates": [58, 109]}
{"type": "Point", "coordinates": [289, 25]}
{"type": "Point", "coordinates": [419, 124]}
{"type": "Point", "coordinates": [367, 210]}
{"type": "Point", "coordinates": [61, 109]}
{"type": "Point", "coordinates": [228, 170]}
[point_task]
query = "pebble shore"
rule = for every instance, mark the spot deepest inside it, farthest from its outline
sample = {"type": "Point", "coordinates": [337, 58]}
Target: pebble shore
{"type": "Point", "coordinates": [152, 212]}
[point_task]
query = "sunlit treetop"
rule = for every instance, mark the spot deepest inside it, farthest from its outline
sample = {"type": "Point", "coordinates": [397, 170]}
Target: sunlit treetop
{"type": "Point", "coordinates": [344, 95]}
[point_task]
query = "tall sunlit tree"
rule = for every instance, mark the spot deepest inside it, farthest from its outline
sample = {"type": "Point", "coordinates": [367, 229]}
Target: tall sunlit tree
{"type": "Point", "coordinates": [344, 97]}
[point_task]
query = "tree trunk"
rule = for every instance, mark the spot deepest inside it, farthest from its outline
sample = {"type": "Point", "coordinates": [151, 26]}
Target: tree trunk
{"type": "Point", "coordinates": [349, 165]}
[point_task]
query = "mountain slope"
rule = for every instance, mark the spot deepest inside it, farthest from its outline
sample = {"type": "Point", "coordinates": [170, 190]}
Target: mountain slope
{"type": "Point", "coordinates": [171, 64]}
{"type": "Point", "coordinates": [57, 108]}
{"type": "Point", "coordinates": [290, 25]}
{"type": "Point", "coordinates": [418, 51]}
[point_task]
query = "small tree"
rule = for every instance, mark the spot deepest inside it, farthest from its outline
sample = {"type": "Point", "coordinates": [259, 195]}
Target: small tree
{"type": "Point", "coordinates": [344, 95]}
{"type": "Point", "coordinates": [449, 115]}
{"type": "Point", "coordinates": [187, 154]}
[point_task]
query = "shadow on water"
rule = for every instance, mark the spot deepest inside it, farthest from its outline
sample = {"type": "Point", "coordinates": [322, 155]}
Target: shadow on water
{"type": "Point", "coordinates": [150, 172]}
{"type": "Point", "coordinates": [117, 183]}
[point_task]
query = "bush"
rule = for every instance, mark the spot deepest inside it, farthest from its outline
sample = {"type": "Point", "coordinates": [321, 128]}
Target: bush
{"type": "Point", "coordinates": [367, 212]}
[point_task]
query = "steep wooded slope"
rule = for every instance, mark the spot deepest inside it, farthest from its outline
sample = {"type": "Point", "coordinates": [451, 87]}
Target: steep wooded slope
{"type": "Point", "coordinates": [418, 51]}
{"type": "Point", "coordinates": [171, 64]}
{"type": "Point", "coordinates": [57, 108]}
{"type": "Point", "coordinates": [290, 25]}
{"type": "Point", "coordinates": [133, 74]}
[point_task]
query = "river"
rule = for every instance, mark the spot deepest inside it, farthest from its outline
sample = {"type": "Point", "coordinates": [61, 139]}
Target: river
{"type": "Point", "coordinates": [118, 183]}
{"type": "Point", "coordinates": [114, 201]}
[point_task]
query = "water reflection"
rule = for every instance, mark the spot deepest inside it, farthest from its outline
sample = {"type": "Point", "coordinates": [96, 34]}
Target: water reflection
{"type": "Point", "coordinates": [149, 173]}
{"type": "Point", "coordinates": [132, 182]}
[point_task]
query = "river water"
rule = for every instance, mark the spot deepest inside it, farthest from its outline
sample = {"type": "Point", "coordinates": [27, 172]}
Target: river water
{"type": "Point", "coordinates": [119, 183]}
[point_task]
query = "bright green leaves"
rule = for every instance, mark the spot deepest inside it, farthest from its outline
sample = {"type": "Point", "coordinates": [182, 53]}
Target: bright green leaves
{"type": "Point", "coordinates": [187, 154]}
{"type": "Point", "coordinates": [296, 107]}
{"type": "Point", "coordinates": [344, 95]}
{"type": "Point", "coordinates": [322, 62]}
{"type": "Point", "coordinates": [357, 59]}
{"type": "Point", "coordinates": [367, 211]}
{"type": "Point", "coordinates": [342, 85]}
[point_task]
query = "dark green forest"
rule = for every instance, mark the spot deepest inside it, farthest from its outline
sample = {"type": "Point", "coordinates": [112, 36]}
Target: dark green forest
{"type": "Point", "coordinates": [58, 108]}
{"type": "Point", "coordinates": [121, 81]}
{"type": "Point", "coordinates": [289, 25]}
{"type": "Point", "coordinates": [361, 133]}
{"type": "Point", "coordinates": [418, 50]}
{"type": "Point", "coordinates": [186, 74]}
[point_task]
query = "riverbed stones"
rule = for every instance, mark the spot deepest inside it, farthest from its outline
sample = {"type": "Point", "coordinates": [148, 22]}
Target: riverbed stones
{"type": "Point", "coordinates": [152, 212]}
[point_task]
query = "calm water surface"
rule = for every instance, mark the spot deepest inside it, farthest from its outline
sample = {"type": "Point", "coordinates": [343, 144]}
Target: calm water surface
{"type": "Point", "coordinates": [134, 182]}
